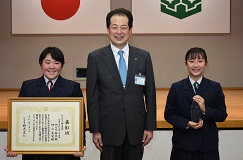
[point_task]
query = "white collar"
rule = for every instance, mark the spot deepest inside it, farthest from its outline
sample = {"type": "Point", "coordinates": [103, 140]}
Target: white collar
{"type": "Point", "coordinates": [198, 81]}
{"type": "Point", "coordinates": [53, 81]}
{"type": "Point", "coordinates": [115, 49]}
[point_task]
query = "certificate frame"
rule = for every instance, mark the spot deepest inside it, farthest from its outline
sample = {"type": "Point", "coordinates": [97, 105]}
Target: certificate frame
{"type": "Point", "coordinates": [38, 125]}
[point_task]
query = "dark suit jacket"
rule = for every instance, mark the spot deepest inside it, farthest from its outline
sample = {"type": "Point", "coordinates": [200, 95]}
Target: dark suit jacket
{"type": "Point", "coordinates": [177, 113]}
{"type": "Point", "coordinates": [113, 110]}
{"type": "Point", "coordinates": [62, 88]}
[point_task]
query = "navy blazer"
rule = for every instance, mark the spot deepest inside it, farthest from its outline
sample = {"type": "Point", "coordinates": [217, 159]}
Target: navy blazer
{"type": "Point", "coordinates": [114, 110]}
{"type": "Point", "coordinates": [177, 113]}
{"type": "Point", "coordinates": [62, 88]}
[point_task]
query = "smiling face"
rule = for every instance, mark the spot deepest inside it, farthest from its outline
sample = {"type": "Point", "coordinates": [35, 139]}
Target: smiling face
{"type": "Point", "coordinates": [119, 31]}
{"type": "Point", "coordinates": [50, 67]}
{"type": "Point", "coordinates": [196, 65]}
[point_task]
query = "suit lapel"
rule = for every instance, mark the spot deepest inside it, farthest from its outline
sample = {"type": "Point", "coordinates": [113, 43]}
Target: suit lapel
{"type": "Point", "coordinates": [57, 88]}
{"type": "Point", "coordinates": [112, 66]}
{"type": "Point", "coordinates": [188, 89]}
{"type": "Point", "coordinates": [202, 90]}
{"type": "Point", "coordinates": [132, 66]}
{"type": "Point", "coordinates": [110, 62]}
{"type": "Point", "coordinates": [41, 87]}
{"type": "Point", "coordinates": [43, 90]}
{"type": "Point", "coordinates": [189, 92]}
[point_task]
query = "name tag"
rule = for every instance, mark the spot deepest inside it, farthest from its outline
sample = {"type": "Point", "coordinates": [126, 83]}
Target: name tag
{"type": "Point", "coordinates": [140, 79]}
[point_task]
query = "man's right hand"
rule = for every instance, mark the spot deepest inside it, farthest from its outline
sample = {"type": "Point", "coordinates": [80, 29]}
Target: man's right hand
{"type": "Point", "coordinates": [97, 140]}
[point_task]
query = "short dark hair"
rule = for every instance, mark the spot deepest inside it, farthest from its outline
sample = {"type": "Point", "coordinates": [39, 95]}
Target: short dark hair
{"type": "Point", "coordinates": [55, 52]}
{"type": "Point", "coordinates": [120, 12]}
{"type": "Point", "coordinates": [194, 52]}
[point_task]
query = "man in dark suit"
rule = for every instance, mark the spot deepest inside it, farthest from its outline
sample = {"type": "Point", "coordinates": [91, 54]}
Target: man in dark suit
{"type": "Point", "coordinates": [50, 84]}
{"type": "Point", "coordinates": [121, 110]}
{"type": "Point", "coordinates": [195, 140]}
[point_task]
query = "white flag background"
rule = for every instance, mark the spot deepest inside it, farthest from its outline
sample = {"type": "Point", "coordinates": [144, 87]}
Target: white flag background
{"type": "Point", "coordinates": [28, 17]}
{"type": "Point", "coordinates": [213, 18]}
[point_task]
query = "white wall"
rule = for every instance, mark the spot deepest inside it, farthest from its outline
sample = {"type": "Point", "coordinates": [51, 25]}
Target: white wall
{"type": "Point", "coordinates": [230, 146]}
{"type": "Point", "coordinates": [19, 53]}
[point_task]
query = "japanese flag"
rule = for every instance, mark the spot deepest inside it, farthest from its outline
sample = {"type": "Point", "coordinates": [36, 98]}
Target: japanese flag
{"type": "Point", "coordinates": [59, 16]}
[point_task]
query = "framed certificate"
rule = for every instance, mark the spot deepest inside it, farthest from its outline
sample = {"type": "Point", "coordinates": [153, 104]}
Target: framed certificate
{"type": "Point", "coordinates": [45, 125]}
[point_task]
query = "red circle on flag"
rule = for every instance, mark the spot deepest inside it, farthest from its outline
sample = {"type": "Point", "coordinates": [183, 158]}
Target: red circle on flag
{"type": "Point", "coordinates": [60, 9]}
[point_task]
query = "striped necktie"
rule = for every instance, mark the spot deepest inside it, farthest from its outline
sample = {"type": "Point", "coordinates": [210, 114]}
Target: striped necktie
{"type": "Point", "coordinates": [49, 85]}
{"type": "Point", "coordinates": [196, 86]}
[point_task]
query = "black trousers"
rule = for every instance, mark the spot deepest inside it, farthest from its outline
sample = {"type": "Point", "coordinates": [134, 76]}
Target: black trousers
{"type": "Point", "coordinates": [126, 151]}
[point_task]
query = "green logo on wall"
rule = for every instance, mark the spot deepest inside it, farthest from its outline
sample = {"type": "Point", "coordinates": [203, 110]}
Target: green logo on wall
{"type": "Point", "coordinates": [181, 8]}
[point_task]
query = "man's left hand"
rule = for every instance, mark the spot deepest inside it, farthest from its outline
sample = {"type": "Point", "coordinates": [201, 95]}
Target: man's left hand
{"type": "Point", "coordinates": [147, 137]}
